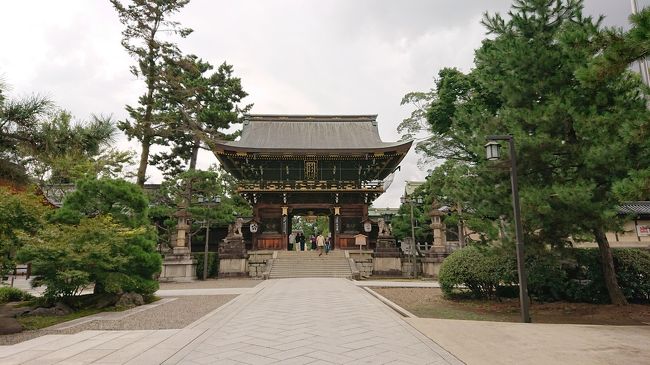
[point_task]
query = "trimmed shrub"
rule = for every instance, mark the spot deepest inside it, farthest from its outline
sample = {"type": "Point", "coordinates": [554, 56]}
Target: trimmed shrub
{"type": "Point", "coordinates": [102, 237]}
{"type": "Point", "coordinates": [8, 294]}
{"type": "Point", "coordinates": [481, 270]}
{"type": "Point", "coordinates": [586, 283]}
{"type": "Point", "coordinates": [547, 280]}
{"type": "Point", "coordinates": [97, 251]}
{"type": "Point", "coordinates": [574, 275]}
{"type": "Point", "coordinates": [213, 264]}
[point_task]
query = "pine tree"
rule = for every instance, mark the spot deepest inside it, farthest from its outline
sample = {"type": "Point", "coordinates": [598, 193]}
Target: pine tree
{"type": "Point", "coordinates": [204, 104]}
{"type": "Point", "coordinates": [575, 138]}
{"type": "Point", "coordinates": [145, 22]}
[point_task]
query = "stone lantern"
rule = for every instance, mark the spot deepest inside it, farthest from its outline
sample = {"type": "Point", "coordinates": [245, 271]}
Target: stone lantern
{"type": "Point", "coordinates": [179, 265]}
{"type": "Point", "coordinates": [182, 227]}
{"type": "Point", "coordinates": [438, 227]}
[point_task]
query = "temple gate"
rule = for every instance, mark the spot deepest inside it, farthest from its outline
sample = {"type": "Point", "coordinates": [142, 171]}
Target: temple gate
{"type": "Point", "coordinates": [291, 165]}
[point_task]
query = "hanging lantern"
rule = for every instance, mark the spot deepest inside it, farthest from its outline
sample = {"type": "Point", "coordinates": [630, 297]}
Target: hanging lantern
{"type": "Point", "coordinates": [492, 150]}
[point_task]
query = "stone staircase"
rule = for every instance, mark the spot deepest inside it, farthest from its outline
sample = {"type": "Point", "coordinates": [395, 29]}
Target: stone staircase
{"type": "Point", "coordinates": [307, 264]}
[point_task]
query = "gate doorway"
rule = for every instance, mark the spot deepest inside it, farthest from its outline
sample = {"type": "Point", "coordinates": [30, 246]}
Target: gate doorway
{"type": "Point", "coordinates": [308, 224]}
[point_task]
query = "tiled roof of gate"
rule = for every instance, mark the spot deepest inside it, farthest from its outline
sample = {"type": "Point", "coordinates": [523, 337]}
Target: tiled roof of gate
{"type": "Point", "coordinates": [311, 132]}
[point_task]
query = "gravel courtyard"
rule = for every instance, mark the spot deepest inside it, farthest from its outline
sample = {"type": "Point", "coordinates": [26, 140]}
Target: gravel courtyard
{"type": "Point", "coordinates": [173, 313]}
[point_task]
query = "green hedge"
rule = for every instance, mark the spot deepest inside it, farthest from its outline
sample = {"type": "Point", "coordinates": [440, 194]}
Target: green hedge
{"type": "Point", "coordinates": [481, 270]}
{"type": "Point", "coordinates": [213, 264]}
{"type": "Point", "coordinates": [586, 283]}
{"type": "Point", "coordinates": [573, 274]}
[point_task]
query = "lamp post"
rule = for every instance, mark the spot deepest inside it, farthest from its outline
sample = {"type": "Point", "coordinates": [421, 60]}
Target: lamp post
{"type": "Point", "coordinates": [492, 149]}
{"type": "Point", "coordinates": [207, 202]}
{"type": "Point", "coordinates": [410, 201]}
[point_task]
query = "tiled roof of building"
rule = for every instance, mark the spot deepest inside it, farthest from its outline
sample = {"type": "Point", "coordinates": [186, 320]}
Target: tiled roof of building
{"type": "Point", "coordinates": [638, 207]}
{"type": "Point", "coordinates": [311, 132]}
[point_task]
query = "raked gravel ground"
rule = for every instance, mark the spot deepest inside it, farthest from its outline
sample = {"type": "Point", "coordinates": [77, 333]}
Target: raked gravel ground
{"type": "Point", "coordinates": [171, 315]}
{"type": "Point", "coordinates": [212, 284]}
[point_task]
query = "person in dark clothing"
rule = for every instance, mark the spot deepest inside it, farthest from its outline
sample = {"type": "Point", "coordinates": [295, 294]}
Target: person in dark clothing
{"type": "Point", "coordinates": [302, 241]}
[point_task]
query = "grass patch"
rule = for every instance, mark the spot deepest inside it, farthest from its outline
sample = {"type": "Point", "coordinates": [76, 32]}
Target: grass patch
{"type": "Point", "coordinates": [445, 312]}
{"type": "Point", "coordinates": [38, 322]}
{"type": "Point", "coordinates": [430, 303]}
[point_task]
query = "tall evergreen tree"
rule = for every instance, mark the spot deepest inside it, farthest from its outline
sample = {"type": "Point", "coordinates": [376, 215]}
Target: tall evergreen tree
{"type": "Point", "coordinates": [202, 102]}
{"type": "Point", "coordinates": [39, 141]}
{"type": "Point", "coordinates": [145, 22]}
{"type": "Point", "coordinates": [19, 121]}
{"type": "Point", "coordinates": [576, 140]}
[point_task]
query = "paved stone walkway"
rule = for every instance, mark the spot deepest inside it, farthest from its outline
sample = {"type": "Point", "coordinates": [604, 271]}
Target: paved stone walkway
{"type": "Point", "coordinates": [288, 321]}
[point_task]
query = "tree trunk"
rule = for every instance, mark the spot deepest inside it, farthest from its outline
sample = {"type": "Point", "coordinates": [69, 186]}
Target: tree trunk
{"type": "Point", "coordinates": [148, 104]}
{"type": "Point", "coordinates": [609, 274]}
{"type": "Point", "coordinates": [144, 162]}
{"type": "Point", "coordinates": [195, 155]}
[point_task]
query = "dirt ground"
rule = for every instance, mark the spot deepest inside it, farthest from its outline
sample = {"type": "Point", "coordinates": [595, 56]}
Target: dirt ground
{"type": "Point", "coordinates": [430, 303]}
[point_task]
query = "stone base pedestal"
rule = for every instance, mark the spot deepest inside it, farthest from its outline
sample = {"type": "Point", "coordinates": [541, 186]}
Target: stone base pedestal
{"type": "Point", "coordinates": [178, 266]}
{"type": "Point", "coordinates": [233, 260]}
{"type": "Point", "coordinates": [431, 267]}
{"type": "Point", "coordinates": [386, 247]}
{"type": "Point", "coordinates": [387, 266]}
{"type": "Point", "coordinates": [432, 261]}
{"type": "Point", "coordinates": [233, 267]}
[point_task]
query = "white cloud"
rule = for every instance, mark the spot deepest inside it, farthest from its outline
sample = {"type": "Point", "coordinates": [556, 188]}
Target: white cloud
{"type": "Point", "coordinates": [294, 56]}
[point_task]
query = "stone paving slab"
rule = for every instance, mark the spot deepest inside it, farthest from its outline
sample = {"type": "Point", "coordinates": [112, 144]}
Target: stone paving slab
{"type": "Point", "coordinates": [287, 321]}
{"type": "Point", "coordinates": [307, 321]}
{"type": "Point", "coordinates": [502, 343]}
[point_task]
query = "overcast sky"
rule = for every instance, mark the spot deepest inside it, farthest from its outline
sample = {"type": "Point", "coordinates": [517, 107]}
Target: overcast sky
{"type": "Point", "coordinates": [293, 56]}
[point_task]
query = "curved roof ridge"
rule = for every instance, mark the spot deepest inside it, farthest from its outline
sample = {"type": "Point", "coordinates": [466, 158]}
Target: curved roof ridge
{"type": "Point", "coordinates": [311, 117]}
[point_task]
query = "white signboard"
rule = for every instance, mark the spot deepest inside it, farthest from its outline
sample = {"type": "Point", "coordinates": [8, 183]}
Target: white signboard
{"type": "Point", "coordinates": [643, 230]}
{"type": "Point", "coordinates": [360, 240]}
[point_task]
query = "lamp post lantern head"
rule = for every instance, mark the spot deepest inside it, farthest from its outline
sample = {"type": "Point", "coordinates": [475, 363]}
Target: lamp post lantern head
{"type": "Point", "coordinates": [492, 150]}
{"type": "Point", "coordinates": [402, 199]}
{"type": "Point", "coordinates": [419, 200]}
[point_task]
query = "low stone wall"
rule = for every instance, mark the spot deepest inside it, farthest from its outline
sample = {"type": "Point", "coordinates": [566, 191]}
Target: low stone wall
{"type": "Point", "coordinates": [387, 266]}
{"type": "Point", "coordinates": [407, 268]}
{"type": "Point", "coordinates": [257, 261]}
{"type": "Point", "coordinates": [363, 261]}
{"type": "Point", "coordinates": [431, 266]}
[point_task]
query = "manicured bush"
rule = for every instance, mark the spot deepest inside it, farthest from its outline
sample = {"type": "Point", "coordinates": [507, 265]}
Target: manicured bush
{"type": "Point", "coordinates": [633, 273]}
{"type": "Point", "coordinates": [573, 274]}
{"type": "Point", "coordinates": [97, 251]}
{"type": "Point", "coordinates": [8, 294]}
{"type": "Point", "coordinates": [586, 283]}
{"type": "Point", "coordinates": [213, 264]}
{"type": "Point", "coordinates": [21, 215]}
{"type": "Point", "coordinates": [102, 237]}
{"type": "Point", "coordinates": [481, 270]}
{"type": "Point", "coordinates": [547, 280]}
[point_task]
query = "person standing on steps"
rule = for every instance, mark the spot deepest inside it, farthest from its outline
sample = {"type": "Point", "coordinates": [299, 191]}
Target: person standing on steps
{"type": "Point", "coordinates": [320, 243]}
{"type": "Point", "coordinates": [292, 241]}
{"type": "Point", "coordinates": [328, 244]}
{"type": "Point", "coordinates": [302, 241]}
